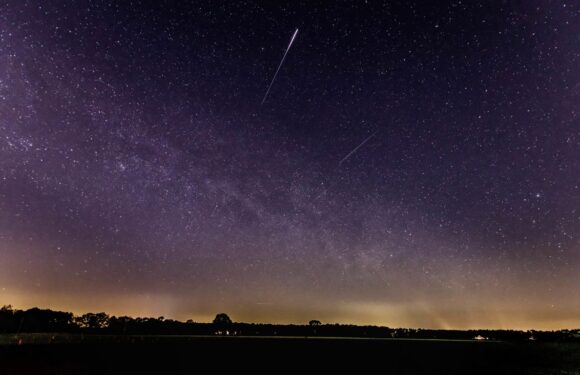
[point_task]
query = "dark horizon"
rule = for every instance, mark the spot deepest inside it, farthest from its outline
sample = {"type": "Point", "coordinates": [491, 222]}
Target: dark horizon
{"type": "Point", "coordinates": [274, 323]}
{"type": "Point", "coordinates": [16, 325]}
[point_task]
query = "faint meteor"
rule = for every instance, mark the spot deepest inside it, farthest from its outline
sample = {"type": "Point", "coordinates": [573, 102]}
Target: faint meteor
{"type": "Point", "coordinates": [357, 147]}
{"type": "Point", "coordinates": [279, 66]}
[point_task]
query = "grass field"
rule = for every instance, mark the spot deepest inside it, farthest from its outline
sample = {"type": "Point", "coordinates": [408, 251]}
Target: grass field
{"type": "Point", "coordinates": [76, 354]}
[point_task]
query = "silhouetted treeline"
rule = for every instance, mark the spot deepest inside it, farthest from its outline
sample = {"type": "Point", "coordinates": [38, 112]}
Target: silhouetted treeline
{"type": "Point", "coordinates": [42, 320]}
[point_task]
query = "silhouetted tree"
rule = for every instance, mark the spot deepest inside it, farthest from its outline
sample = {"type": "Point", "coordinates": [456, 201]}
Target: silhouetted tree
{"type": "Point", "coordinates": [314, 323]}
{"type": "Point", "coordinates": [121, 324]}
{"type": "Point", "coordinates": [7, 321]}
{"type": "Point", "coordinates": [222, 319]}
{"type": "Point", "coordinates": [221, 323]}
{"type": "Point", "coordinates": [93, 321]}
{"type": "Point", "coordinates": [42, 320]}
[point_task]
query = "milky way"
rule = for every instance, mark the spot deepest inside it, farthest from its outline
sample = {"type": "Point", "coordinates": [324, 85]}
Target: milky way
{"type": "Point", "coordinates": [140, 175]}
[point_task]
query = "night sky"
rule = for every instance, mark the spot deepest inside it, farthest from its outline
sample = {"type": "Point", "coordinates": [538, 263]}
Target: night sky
{"type": "Point", "coordinates": [141, 175]}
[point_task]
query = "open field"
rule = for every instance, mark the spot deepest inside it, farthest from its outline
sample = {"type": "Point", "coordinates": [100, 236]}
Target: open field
{"type": "Point", "coordinates": [75, 354]}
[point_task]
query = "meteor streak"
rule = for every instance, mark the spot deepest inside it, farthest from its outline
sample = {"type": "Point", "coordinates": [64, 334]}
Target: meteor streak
{"type": "Point", "coordinates": [356, 148]}
{"type": "Point", "coordinates": [279, 66]}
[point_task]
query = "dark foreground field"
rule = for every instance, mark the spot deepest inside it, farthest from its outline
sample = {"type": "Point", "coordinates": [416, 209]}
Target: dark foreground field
{"type": "Point", "coordinates": [179, 354]}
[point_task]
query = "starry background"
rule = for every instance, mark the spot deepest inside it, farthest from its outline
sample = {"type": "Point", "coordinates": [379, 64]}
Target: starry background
{"type": "Point", "coordinates": [140, 175]}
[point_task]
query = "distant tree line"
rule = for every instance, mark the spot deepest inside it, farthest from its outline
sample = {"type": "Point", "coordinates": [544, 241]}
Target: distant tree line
{"type": "Point", "coordinates": [37, 320]}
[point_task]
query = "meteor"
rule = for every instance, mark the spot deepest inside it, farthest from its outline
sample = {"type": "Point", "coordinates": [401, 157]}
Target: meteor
{"type": "Point", "coordinates": [356, 148]}
{"type": "Point", "coordinates": [279, 66]}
